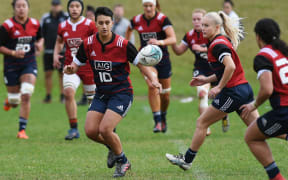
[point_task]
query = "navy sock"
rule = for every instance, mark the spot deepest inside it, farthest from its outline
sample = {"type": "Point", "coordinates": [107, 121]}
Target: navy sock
{"type": "Point", "coordinates": [157, 116]}
{"type": "Point", "coordinates": [190, 155]}
{"type": "Point", "coordinates": [272, 170]}
{"type": "Point", "coordinates": [108, 146]}
{"type": "Point", "coordinates": [22, 123]}
{"type": "Point", "coordinates": [163, 116]}
{"type": "Point", "coordinates": [121, 158]}
{"type": "Point", "coordinates": [287, 137]}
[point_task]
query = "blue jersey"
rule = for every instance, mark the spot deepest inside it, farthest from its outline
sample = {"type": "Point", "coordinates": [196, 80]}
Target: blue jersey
{"type": "Point", "coordinates": [109, 62]}
{"type": "Point", "coordinates": [16, 36]}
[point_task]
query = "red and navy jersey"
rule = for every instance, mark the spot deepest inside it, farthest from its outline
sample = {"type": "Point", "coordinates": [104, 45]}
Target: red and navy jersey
{"type": "Point", "coordinates": [274, 61]}
{"type": "Point", "coordinates": [152, 28]}
{"type": "Point", "coordinates": [219, 47]}
{"type": "Point", "coordinates": [193, 37]}
{"type": "Point", "coordinates": [16, 36]}
{"type": "Point", "coordinates": [109, 62]}
{"type": "Point", "coordinates": [73, 35]}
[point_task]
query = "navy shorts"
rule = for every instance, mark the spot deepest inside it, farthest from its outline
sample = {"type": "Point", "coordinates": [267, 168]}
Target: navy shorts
{"type": "Point", "coordinates": [231, 99]}
{"type": "Point", "coordinates": [198, 72]}
{"type": "Point", "coordinates": [274, 123]}
{"type": "Point", "coordinates": [164, 69]}
{"type": "Point", "coordinates": [119, 103]}
{"type": "Point", "coordinates": [12, 74]}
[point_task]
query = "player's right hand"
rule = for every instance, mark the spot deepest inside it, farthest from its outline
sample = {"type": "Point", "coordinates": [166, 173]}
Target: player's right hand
{"type": "Point", "coordinates": [56, 62]}
{"type": "Point", "coordinates": [18, 54]}
{"type": "Point", "coordinates": [68, 69]}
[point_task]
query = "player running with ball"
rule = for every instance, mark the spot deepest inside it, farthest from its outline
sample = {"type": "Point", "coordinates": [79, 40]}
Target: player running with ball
{"type": "Point", "coordinates": [109, 56]}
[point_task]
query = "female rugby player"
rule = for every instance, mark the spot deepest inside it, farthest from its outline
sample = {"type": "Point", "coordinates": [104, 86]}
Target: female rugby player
{"type": "Point", "coordinates": [20, 38]}
{"type": "Point", "coordinates": [271, 65]}
{"type": "Point", "coordinates": [109, 55]}
{"type": "Point", "coordinates": [232, 90]}
{"type": "Point", "coordinates": [71, 33]}
{"type": "Point", "coordinates": [155, 28]}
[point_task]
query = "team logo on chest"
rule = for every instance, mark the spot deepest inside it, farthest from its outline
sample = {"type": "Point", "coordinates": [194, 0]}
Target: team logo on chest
{"type": "Point", "coordinates": [16, 33]}
{"type": "Point", "coordinates": [148, 36]}
{"type": "Point", "coordinates": [103, 65]}
{"type": "Point", "coordinates": [74, 42]}
{"type": "Point", "coordinates": [65, 34]}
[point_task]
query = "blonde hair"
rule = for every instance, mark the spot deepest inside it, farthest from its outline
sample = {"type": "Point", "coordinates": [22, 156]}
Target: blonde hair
{"type": "Point", "coordinates": [228, 27]}
{"type": "Point", "coordinates": [198, 10]}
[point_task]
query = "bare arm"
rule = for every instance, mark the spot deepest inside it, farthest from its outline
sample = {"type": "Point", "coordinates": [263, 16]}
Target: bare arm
{"type": "Point", "coordinates": [228, 71]}
{"type": "Point", "coordinates": [179, 49]}
{"type": "Point", "coordinates": [154, 80]}
{"type": "Point", "coordinates": [128, 33]}
{"type": "Point", "coordinates": [170, 38]}
{"type": "Point", "coordinates": [57, 49]}
{"type": "Point", "coordinates": [39, 46]}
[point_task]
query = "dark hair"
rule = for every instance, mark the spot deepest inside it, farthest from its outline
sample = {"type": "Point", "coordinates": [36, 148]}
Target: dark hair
{"type": "Point", "coordinates": [158, 7]}
{"type": "Point", "coordinates": [229, 1]}
{"type": "Point", "coordinates": [103, 11]}
{"type": "Point", "coordinates": [80, 1]}
{"type": "Point", "coordinates": [14, 3]}
{"type": "Point", "coordinates": [90, 8]}
{"type": "Point", "coordinates": [269, 31]}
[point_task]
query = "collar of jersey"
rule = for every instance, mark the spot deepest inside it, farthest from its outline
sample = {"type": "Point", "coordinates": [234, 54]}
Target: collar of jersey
{"type": "Point", "coordinates": [74, 25]}
{"type": "Point", "coordinates": [148, 20]}
{"type": "Point", "coordinates": [14, 19]}
{"type": "Point", "coordinates": [109, 42]}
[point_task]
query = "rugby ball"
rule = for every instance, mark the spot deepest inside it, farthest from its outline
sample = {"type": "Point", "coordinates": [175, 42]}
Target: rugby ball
{"type": "Point", "coordinates": [150, 55]}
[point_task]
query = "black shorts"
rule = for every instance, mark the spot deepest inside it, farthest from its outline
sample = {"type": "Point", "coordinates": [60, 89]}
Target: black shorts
{"type": "Point", "coordinates": [164, 70]}
{"type": "Point", "coordinates": [231, 99]}
{"type": "Point", "coordinates": [119, 103]}
{"type": "Point", "coordinates": [48, 63]}
{"type": "Point", "coordinates": [274, 123]}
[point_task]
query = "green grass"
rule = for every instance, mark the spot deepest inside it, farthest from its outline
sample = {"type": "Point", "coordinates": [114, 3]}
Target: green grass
{"type": "Point", "coordinates": [223, 156]}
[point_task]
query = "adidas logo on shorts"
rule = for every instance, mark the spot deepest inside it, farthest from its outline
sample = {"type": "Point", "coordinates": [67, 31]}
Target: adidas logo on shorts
{"type": "Point", "coordinates": [121, 107]}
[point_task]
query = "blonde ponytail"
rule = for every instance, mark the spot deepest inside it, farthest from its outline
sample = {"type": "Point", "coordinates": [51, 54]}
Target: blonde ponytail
{"type": "Point", "coordinates": [233, 32]}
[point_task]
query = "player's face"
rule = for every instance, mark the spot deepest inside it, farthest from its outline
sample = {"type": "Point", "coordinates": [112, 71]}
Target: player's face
{"type": "Point", "coordinates": [149, 9]}
{"type": "Point", "coordinates": [90, 15]}
{"type": "Point", "coordinates": [227, 8]}
{"type": "Point", "coordinates": [21, 9]}
{"type": "Point", "coordinates": [104, 25]}
{"type": "Point", "coordinates": [75, 9]}
{"type": "Point", "coordinates": [197, 21]}
{"type": "Point", "coordinates": [209, 28]}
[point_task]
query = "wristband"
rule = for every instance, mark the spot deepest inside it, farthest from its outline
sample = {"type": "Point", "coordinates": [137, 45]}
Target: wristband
{"type": "Point", "coordinates": [161, 42]}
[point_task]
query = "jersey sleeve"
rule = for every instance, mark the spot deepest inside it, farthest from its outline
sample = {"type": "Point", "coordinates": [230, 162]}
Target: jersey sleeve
{"type": "Point", "coordinates": [81, 57]}
{"type": "Point", "coordinates": [131, 25]}
{"type": "Point", "coordinates": [39, 34]}
{"type": "Point", "coordinates": [59, 31]}
{"type": "Point", "coordinates": [219, 51]}
{"type": "Point", "coordinates": [4, 36]}
{"type": "Point", "coordinates": [166, 23]}
{"type": "Point", "coordinates": [185, 41]}
{"type": "Point", "coordinates": [132, 53]}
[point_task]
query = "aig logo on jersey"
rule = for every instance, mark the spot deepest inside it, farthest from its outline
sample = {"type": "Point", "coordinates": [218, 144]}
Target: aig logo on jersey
{"type": "Point", "coordinates": [148, 36]}
{"type": "Point", "coordinates": [103, 65]}
{"type": "Point", "coordinates": [74, 42]}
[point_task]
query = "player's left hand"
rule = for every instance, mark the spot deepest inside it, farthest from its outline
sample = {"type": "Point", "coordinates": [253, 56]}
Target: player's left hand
{"type": "Point", "coordinates": [68, 69]}
{"type": "Point", "coordinates": [157, 85]}
{"type": "Point", "coordinates": [247, 109]}
{"type": "Point", "coordinates": [214, 92]}
{"type": "Point", "coordinates": [154, 42]}
{"type": "Point", "coordinates": [197, 47]}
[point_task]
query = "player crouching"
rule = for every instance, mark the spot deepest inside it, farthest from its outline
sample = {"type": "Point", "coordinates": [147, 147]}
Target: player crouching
{"type": "Point", "coordinates": [108, 55]}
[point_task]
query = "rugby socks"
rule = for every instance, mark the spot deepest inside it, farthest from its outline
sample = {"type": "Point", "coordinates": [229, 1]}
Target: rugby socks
{"type": "Point", "coordinates": [157, 116]}
{"type": "Point", "coordinates": [73, 123]}
{"type": "Point", "coordinates": [190, 155]}
{"type": "Point", "coordinates": [272, 170]}
{"type": "Point", "coordinates": [121, 158]}
{"type": "Point", "coordinates": [287, 137]}
{"type": "Point", "coordinates": [163, 116]}
{"type": "Point", "coordinates": [22, 123]}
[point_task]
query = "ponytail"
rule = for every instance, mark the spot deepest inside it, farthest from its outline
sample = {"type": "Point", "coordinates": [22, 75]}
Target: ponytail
{"type": "Point", "coordinates": [158, 7]}
{"type": "Point", "coordinates": [269, 31]}
{"type": "Point", "coordinates": [233, 32]}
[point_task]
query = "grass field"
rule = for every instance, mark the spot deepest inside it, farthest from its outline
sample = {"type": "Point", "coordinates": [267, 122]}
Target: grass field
{"type": "Point", "coordinates": [46, 155]}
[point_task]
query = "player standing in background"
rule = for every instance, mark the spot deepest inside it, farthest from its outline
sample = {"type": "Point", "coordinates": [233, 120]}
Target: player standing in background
{"type": "Point", "coordinates": [271, 65]}
{"type": "Point", "coordinates": [72, 32]}
{"type": "Point", "coordinates": [109, 56]}
{"type": "Point", "coordinates": [49, 25]}
{"type": "Point", "coordinates": [121, 23]}
{"type": "Point", "coordinates": [20, 38]}
{"type": "Point", "coordinates": [90, 14]}
{"type": "Point", "coordinates": [232, 90]}
{"type": "Point", "coordinates": [155, 28]}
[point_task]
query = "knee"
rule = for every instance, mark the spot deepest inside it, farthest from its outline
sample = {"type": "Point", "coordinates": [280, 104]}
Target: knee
{"type": "Point", "coordinates": [69, 94]}
{"type": "Point", "coordinates": [25, 98]}
{"type": "Point", "coordinates": [202, 94]}
{"type": "Point", "coordinates": [165, 97]}
{"type": "Point", "coordinates": [91, 133]}
{"type": "Point", "coordinates": [105, 131]}
{"type": "Point", "coordinates": [200, 124]}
